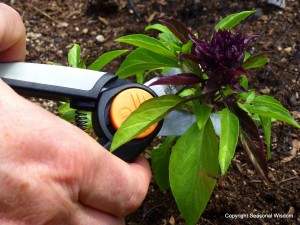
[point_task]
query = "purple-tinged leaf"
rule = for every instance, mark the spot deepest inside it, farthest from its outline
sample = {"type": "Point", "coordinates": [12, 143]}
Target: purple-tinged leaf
{"type": "Point", "coordinates": [239, 71]}
{"type": "Point", "coordinates": [190, 57]}
{"type": "Point", "coordinates": [238, 88]}
{"type": "Point", "coordinates": [251, 142]}
{"type": "Point", "coordinates": [248, 39]}
{"type": "Point", "coordinates": [179, 79]}
{"type": "Point", "coordinates": [178, 29]}
{"type": "Point", "coordinates": [211, 86]}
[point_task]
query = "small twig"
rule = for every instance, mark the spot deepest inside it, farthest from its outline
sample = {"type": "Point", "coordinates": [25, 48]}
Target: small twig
{"type": "Point", "coordinates": [255, 181]}
{"type": "Point", "coordinates": [209, 222]}
{"type": "Point", "coordinates": [150, 210]}
{"type": "Point", "coordinates": [45, 14]}
{"type": "Point", "coordinates": [77, 12]}
{"type": "Point", "coordinates": [288, 179]}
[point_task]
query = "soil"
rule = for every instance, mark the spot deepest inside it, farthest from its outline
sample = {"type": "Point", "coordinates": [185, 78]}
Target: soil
{"type": "Point", "coordinates": [53, 27]}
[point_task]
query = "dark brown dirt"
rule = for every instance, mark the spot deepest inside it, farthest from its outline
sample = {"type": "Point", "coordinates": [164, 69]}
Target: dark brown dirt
{"type": "Point", "coordinates": [53, 26]}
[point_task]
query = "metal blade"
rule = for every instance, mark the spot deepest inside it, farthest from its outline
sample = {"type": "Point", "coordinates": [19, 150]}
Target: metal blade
{"type": "Point", "coordinates": [165, 89]}
{"type": "Point", "coordinates": [177, 123]}
{"type": "Point", "coordinates": [60, 76]}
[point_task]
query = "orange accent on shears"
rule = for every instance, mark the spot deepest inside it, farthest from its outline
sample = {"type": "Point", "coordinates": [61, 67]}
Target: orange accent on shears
{"type": "Point", "coordinates": [125, 103]}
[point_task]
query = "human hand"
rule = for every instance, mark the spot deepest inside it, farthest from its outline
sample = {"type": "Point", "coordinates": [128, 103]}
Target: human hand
{"type": "Point", "coordinates": [52, 172]}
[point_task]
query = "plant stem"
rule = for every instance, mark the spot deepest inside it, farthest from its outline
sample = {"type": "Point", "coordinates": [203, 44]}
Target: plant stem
{"type": "Point", "coordinates": [225, 100]}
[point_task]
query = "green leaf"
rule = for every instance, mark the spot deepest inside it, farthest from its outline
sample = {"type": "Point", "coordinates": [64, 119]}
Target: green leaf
{"type": "Point", "coordinates": [228, 138]}
{"type": "Point", "coordinates": [247, 55]}
{"type": "Point", "coordinates": [248, 97]}
{"type": "Point", "coordinates": [160, 158]}
{"type": "Point", "coordinates": [143, 59]}
{"type": "Point", "coordinates": [267, 106]}
{"type": "Point", "coordinates": [171, 41]}
{"type": "Point", "coordinates": [147, 114]}
{"type": "Point", "coordinates": [150, 43]}
{"type": "Point", "coordinates": [202, 113]}
{"type": "Point", "coordinates": [66, 113]}
{"type": "Point", "coordinates": [251, 96]}
{"type": "Point", "coordinates": [193, 170]}
{"type": "Point", "coordinates": [104, 59]}
{"type": "Point", "coordinates": [186, 48]}
{"type": "Point", "coordinates": [266, 124]}
{"type": "Point", "coordinates": [255, 61]}
{"type": "Point", "coordinates": [232, 20]}
{"type": "Point", "coordinates": [74, 55]}
{"type": "Point", "coordinates": [82, 63]}
{"type": "Point", "coordinates": [140, 78]}
{"type": "Point", "coordinates": [186, 93]}
{"type": "Point", "coordinates": [244, 81]}
{"type": "Point", "coordinates": [54, 63]}
{"type": "Point", "coordinates": [158, 27]}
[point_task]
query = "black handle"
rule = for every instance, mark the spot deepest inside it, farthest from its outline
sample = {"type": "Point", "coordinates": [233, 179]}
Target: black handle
{"type": "Point", "coordinates": [102, 124]}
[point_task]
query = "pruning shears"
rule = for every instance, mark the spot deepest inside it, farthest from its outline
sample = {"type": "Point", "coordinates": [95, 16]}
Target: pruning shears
{"type": "Point", "coordinates": [110, 99]}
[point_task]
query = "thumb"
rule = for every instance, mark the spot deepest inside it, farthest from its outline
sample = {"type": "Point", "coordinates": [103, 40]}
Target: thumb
{"type": "Point", "coordinates": [12, 35]}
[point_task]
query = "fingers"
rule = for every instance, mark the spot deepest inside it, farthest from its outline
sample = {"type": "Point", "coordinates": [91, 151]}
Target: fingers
{"type": "Point", "coordinates": [113, 186]}
{"type": "Point", "coordinates": [89, 216]}
{"type": "Point", "coordinates": [105, 182]}
{"type": "Point", "coordinates": [12, 35]}
{"type": "Point", "coordinates": [101, 180]}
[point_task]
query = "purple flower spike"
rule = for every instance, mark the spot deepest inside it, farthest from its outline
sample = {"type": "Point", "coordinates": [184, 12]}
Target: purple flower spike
{"type": "Point", "coordinates": [221, 58]}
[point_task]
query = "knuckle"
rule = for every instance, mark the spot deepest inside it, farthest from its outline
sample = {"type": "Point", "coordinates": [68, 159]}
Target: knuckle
{"type": "Point", "coordinates": [134, 201]}
{"type": "Point", "coordinates": [135, 196]}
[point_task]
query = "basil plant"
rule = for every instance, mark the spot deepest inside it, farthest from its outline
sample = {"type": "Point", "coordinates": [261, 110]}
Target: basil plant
{"type": "Point", "coordinates": [214, 73]}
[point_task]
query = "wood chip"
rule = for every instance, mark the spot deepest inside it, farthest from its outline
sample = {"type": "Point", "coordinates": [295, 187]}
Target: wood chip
{"type": "Point", "coordinates": [103, 20]}
{"type": "Point", "coordinates": [271, 176]}
{"type": "Point", "coordinates": [296, 114]}
{"type": "Point", "coordinates": [291, 211]}
{"type": "Point", "coordinates": [296, 144]}
{"type": "Point", "coordinates": [151, 17]}
{"type": "Point", "coordinates": [172, 220]}
{"type": "Point", "coordinates": [238, 166]}
{"type": "Point", "coordinates": [251, 172]}
{"type": "Point", "coordinates": [293, 152]}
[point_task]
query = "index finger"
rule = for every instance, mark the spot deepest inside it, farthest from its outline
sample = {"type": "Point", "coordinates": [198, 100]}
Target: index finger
{"type": "Point", "coordinates": [12, 35]}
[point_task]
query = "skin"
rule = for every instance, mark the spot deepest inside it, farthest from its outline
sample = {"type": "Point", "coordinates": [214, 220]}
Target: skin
{"type": "Point", "coordinates": [52, 172]}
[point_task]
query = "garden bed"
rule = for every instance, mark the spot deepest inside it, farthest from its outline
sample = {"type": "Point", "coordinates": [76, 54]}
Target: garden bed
{"type": "Point", "coordinates": [53, 27]}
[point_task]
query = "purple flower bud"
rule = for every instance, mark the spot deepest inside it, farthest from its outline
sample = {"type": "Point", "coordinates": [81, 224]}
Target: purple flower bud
{"type": "Point", "coordinates": [221, 58]}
